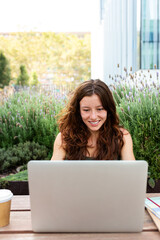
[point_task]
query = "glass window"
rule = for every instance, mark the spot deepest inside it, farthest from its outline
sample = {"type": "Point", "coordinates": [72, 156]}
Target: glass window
{"type": "Point", "coordinates": [150, 31]}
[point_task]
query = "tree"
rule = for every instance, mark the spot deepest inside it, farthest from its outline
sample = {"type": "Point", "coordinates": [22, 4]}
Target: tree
{"type": "Point", "coordinates": [23, 78]}
{"type": "Point", "coordinates": [34, 80]}
{"type": "Point", "coordinates": [5, 71]}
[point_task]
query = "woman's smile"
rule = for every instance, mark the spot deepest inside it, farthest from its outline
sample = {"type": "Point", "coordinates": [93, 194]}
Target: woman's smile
{"type": "Point", "coordinates": [95, 123]}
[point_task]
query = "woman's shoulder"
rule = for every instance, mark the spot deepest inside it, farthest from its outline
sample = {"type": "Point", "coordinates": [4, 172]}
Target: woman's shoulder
{"type": "Point", "coordinates": [127, 149]}
{"type": "Point", "coordinates": [58, 150]}
{"type": "Point", "coordinates": [126, 135]}
{"type": "Point", "coordinates": [58, 140]}
{"type": "Point", "coordinates": [124, 131]}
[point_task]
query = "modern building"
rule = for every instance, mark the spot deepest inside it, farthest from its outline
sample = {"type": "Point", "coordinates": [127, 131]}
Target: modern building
{"type": "Point", "coordinates": [127, 35]}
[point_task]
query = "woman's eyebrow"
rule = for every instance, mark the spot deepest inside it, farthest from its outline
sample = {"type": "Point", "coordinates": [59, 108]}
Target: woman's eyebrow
{"type": "Point", "coordinates": [89, 107]}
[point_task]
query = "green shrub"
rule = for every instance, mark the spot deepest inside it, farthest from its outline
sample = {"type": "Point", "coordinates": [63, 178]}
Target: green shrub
{"type": "Point", "coordinates": [23, 78]}
{"type": "Point", "coordinates": [29, 116]}
{"type": "Point", "coordinates": [139, 111]}
{"type": "Point", "coordinates": [20, 155]}
{"type": "Point", "coordinates": [34, 80]}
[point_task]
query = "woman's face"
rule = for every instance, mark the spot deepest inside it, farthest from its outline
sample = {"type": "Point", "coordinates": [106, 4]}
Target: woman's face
{"type": "Point", "coordinates": [92, 112]}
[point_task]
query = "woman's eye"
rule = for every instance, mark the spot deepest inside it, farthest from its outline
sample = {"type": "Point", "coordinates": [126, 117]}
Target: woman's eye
{"type": "Point", "coordinates": [86, 110]}
{"type": "Point", "coordinates": [100, 109]}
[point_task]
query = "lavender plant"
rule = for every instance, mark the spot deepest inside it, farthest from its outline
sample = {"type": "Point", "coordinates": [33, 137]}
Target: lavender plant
{"type": "Point", "coordinates": [30, 116]}
{"type": "Point", "coordinates": [138, 104]}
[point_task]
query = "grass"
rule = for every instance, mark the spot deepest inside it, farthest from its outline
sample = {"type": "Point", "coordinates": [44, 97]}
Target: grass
{"type": "Point", "coordinates": [20, 176]}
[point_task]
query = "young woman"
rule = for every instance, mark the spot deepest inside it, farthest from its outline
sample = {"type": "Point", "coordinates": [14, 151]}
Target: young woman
{"type": "Point", "coordinates": [90, 129]}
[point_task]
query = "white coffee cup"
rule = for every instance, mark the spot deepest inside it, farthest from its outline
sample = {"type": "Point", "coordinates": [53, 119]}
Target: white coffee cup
{"type": "Point", "coordinates": [5, 206]}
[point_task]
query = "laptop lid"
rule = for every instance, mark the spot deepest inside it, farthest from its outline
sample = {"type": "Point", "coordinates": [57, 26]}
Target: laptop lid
{"type": "Point", "coordinates": [87, 196]}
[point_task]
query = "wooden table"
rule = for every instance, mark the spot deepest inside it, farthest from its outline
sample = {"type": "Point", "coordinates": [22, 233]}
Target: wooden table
{"type": "Point", "coordinates": [20, 227]}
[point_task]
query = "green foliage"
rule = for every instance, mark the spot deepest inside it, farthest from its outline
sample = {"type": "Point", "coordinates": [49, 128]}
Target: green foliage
{"type": "Point", "coordinates": [5, 71]}
{"type": "Point", "coordinates": [20, 154]}
{"type": "Point", "coordinates": [20, 176]}
{"type": "Point", "coordinates": [151, 182]}
{"type": "Point", "coordinates": [139, 111]}
{"type": "Point", "coordinates": [23, 78]}
{"type": "Point", "coordinates": [3, 183]}
{"type": "Point", "coordinates": [30, 116]}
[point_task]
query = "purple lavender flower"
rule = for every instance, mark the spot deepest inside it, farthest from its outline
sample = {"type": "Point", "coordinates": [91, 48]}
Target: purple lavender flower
{"type": "Point", "coordinates": [127, 97]}
{"type": "Point", "coordinates": [154, 84]}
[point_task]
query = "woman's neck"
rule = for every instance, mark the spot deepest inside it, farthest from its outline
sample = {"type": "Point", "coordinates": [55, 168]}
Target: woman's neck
{"type": "Point", "coordinates": [92, 145]}
{"type": "Point", "coordinates": [93, 137]}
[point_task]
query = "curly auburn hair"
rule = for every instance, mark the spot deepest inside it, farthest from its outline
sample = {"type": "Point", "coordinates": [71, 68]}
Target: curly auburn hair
{"type": "Point", "coordinates": [75, 133]}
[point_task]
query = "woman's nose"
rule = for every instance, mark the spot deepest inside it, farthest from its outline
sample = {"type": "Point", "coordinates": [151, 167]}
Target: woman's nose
{"type": "Point", "coordinates": [93, 115]}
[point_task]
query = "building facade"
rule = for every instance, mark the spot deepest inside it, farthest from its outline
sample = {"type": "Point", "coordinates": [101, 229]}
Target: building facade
{"type": "Point", "coordinates": [127, 36]}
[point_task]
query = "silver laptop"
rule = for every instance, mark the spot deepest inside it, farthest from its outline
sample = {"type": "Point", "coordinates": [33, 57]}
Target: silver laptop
{"type": "Point", "coordinates": [87, 196]}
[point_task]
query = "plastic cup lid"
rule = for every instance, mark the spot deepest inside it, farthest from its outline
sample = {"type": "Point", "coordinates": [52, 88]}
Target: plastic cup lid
{"type": "Point", "coordinates": [5, 195]}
